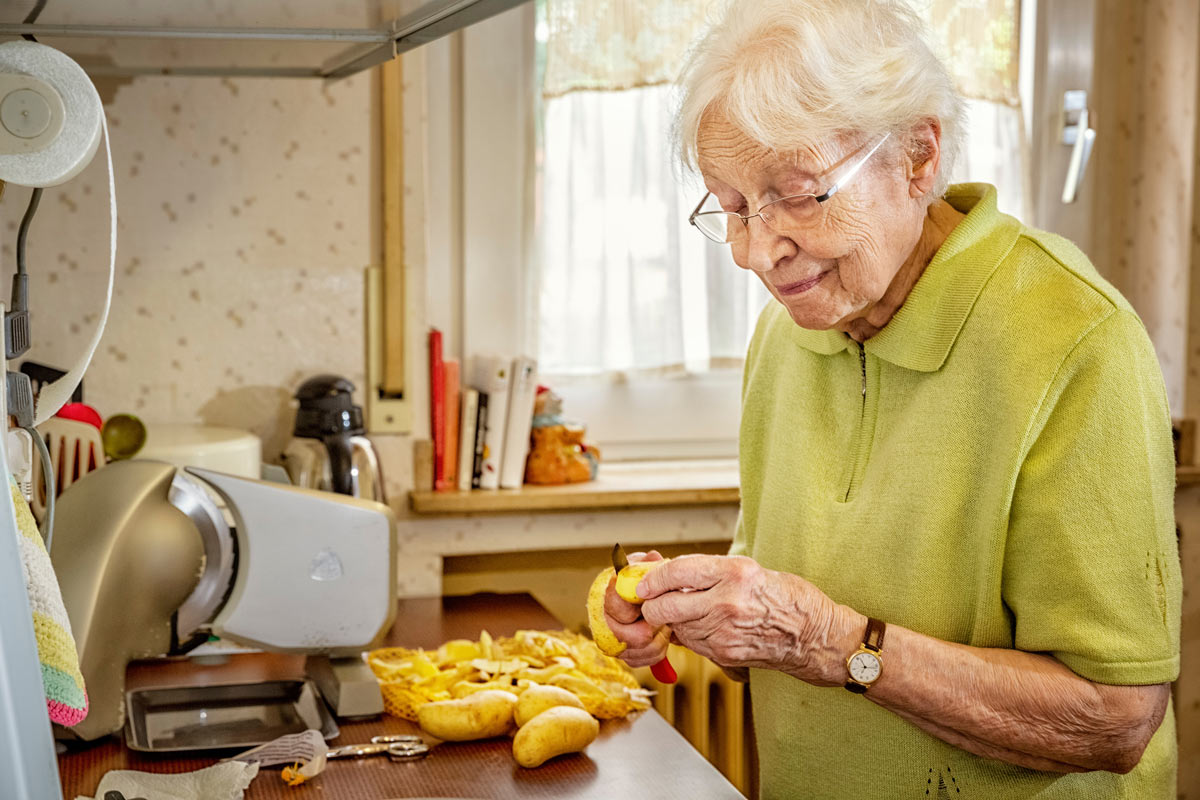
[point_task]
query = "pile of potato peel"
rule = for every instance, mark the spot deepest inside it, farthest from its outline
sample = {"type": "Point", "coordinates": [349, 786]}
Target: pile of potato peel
{"type": "Point", "coordinates": [458, 668]}
{"type": "Point", "coordinates": [549, 687]}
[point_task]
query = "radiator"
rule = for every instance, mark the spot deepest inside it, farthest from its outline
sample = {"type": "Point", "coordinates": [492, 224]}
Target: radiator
{"type": "Point", "coordinates": [713, 714]}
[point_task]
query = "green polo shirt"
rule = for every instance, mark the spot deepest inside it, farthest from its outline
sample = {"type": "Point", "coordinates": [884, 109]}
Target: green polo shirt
{"type": "Point", "coordinates": [992, 468]}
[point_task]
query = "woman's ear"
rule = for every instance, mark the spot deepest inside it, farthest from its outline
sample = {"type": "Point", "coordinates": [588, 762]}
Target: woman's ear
{"type": "Point", "coordinates": [924, 157]}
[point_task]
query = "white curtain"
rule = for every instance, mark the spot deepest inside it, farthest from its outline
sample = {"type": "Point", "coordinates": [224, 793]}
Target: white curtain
{"type": "Point", "coordinates": [996, 152]}
{"type": "Point", "coordinates": [627, 285]}
{"type": "Point", "coordinates": [623, 284]}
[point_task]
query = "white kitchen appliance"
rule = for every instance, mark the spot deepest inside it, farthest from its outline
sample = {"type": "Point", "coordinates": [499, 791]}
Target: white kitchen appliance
{"type": "Point", "coordinates": [228, 450]}
{"type": "Point", "coordinates": [149, 566]}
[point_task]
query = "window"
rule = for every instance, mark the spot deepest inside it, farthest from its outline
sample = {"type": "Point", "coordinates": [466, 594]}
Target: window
{"type": "Point", "coordinates": [564, 224]}
{"type": "Point", "coordinates": [638, 316]}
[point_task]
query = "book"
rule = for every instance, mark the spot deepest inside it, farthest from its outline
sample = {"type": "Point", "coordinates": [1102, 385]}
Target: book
{"type": "Point", "coordinates": [523, 380]}
{"type": "Point", "coordinates": [491, 377]}
{"type": "Point", "coordinates": [437, 406]}
{"type": "Point", "coordinates": [466, 436]}
{"type": "Point", "coordinates": [450, 373]}
{"type": "Point", "coordinates": [481, 418]}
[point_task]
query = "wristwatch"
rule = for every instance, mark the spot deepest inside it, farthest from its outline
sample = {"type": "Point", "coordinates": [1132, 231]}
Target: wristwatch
{"type": "Point", "coordinates": [865, 664]}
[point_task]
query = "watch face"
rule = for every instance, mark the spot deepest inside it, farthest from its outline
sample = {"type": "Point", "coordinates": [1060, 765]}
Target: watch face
{"type": "Point", "coordinates": [865, 667]}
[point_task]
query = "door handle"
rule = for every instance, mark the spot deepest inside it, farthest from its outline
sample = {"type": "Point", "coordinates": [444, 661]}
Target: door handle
{"type": "Point", "coordinates": [1080, 136]}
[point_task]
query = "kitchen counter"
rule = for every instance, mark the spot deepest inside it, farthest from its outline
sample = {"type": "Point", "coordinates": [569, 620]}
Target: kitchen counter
{"type": "Point", "coordinates": [628, 759]}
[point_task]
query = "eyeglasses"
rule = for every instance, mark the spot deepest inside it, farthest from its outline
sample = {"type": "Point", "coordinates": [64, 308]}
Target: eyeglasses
{"type": "Point", "coordinates": [787, 213]}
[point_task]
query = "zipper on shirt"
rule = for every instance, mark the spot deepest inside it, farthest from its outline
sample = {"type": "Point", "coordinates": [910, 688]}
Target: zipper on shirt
{"type": "Point", "coordinates": [862, 363]}
{"type": "Point", "coordinates": [862, 437]}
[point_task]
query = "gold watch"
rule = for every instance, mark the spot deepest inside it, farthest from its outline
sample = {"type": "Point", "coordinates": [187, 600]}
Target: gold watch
{"type": "Point", "coordinates": [865, 665]}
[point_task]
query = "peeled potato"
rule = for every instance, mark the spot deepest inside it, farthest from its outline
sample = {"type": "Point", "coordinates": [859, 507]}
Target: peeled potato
{"type": "Point", "coordinates": [555, 731]}
{"type": "Point", "coordinates": [537, 699]}
{"type": "Point", "coordinates": [602, 635]}
{"type": "Point", "coordinates": [629, 578]}
{"type": "Point", "coordinates": [478, 716]}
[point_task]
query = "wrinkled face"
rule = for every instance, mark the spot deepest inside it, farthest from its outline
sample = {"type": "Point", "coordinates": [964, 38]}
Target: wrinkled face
{"type": "Point", "coordinates": [833, 270]}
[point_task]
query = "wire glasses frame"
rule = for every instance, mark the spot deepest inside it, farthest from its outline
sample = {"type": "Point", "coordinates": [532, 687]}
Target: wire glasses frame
{"type": "Point", "coordinates": [715, 225]}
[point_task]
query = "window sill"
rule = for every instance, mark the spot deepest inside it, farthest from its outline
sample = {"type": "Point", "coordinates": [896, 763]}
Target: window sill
{"type": "Point", "coordinates": [639, 484]}
{"type": "Point", "coordinates": [642, 484]}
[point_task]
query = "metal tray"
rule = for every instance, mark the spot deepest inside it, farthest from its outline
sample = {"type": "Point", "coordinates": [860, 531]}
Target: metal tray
{"type": "Point", "coordinates": [173, 719]}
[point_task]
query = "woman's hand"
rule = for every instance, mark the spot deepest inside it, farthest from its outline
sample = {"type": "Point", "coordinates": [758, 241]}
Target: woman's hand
{"type": "Point", "coordinates": [738, 614]}
{"type": "Point", "coordinates": [646, 645]}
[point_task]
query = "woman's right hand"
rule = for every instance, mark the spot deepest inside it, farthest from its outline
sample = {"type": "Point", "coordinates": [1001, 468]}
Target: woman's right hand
{"type": "Point", "coordinates": [646, 645]}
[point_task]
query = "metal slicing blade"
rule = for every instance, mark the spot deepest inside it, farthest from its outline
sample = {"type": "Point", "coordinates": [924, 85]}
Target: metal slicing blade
{"type": "Point", "coordinates": [619, 560]}
{"type": "Point", "coordinates": [216, 574]}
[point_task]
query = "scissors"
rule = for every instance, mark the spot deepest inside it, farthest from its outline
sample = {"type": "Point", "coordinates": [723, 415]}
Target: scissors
{"type": "Point", "coordinates": [396, 746]}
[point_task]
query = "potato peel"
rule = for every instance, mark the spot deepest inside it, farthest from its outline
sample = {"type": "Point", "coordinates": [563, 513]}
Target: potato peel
{"type": "Point", "coordinates": [606, 686]}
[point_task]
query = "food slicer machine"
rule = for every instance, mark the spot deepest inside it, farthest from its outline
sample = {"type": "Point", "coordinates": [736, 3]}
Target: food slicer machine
{"type": "Point", "coordinates": [151, 566]}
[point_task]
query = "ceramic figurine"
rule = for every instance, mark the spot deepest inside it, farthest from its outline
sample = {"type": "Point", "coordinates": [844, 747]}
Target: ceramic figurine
{"type": "Point", "coordinates": [558, 453]}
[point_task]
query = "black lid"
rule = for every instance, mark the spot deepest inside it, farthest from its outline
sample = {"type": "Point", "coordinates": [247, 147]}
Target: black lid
{"type": "Point", "coordinates": [326, 408]}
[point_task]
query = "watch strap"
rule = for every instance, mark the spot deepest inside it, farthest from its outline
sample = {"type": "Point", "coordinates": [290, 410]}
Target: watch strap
{"type": "Point", "coordinates": [873, 638]}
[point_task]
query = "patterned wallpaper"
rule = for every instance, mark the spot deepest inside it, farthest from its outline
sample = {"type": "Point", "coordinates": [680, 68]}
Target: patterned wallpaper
{"type": "Point", "coordinates": [247, 214]}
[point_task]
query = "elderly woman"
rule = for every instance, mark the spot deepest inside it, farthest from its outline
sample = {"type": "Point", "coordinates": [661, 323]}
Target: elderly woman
{"type": "Point", "coordinates": [956, 462]}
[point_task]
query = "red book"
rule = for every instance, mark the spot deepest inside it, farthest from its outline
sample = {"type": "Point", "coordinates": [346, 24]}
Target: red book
{"type": "Point", "coordinates": [449, 480]}
{"type": "Point", "coordinates": [437, 406]}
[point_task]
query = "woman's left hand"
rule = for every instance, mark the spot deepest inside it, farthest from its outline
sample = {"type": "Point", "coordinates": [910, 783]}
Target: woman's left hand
{"type": "Point", "coordinates": [731, 610]}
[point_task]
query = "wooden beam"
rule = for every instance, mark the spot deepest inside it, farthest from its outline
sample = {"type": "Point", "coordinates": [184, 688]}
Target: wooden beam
{"type": "Point", "coordinates": [392, 88]}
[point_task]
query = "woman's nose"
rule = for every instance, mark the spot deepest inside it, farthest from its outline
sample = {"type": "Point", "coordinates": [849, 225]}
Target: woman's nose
{"type": "Point", "coordinates": [764, 247]}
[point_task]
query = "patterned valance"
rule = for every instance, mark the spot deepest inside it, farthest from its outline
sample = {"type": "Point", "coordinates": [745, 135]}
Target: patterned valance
{"type": "Point", "coordinates": [608, 45]}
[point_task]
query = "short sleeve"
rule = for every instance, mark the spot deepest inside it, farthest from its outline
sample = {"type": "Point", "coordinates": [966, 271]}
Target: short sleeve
{"type": "Point", "coordinates": [1091, 566]}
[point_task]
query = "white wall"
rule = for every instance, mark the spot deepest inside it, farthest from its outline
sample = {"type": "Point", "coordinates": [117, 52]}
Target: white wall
{"type": "Point", "coordinates": [247, 213]}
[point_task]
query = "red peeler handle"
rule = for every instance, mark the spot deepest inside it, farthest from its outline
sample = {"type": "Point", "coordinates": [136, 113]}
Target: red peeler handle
{"type": "Point", "coordinates": [663, 672]}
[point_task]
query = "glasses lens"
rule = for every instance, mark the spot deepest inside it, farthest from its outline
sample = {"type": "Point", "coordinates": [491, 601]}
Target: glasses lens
{"type": "Point", "coordinates": [715, 225]}
{"type": "Point", "coordinates": [791, 212]}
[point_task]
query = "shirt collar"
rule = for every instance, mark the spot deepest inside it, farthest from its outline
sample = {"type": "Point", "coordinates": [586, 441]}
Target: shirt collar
{"type": "Point", "coordinates": [921, 334]}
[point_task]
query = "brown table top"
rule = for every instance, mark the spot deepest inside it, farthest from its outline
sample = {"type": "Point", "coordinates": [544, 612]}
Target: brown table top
{"type": "Point", "coordinates": [640, 757]}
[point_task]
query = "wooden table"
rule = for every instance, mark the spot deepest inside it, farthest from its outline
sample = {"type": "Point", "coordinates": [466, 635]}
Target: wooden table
{"type": "Point", "coordinates": [641, 757]}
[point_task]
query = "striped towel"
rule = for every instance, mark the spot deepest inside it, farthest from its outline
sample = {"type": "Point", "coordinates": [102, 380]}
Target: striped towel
{"type": "Point", "coordinates": [66, 698]}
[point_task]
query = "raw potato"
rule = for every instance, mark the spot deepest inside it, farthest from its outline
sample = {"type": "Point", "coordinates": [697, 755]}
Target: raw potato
{"type": "Point", "coordinates": [629, 578]}
{"type": "Point", "coordinates": [602, 635]}
{"type": "Point", "coordinates": [537, 699]}
{"type": "Point", "coordinates": [479, 716]}
{"type": "Point", "coordinates": [555, 731]}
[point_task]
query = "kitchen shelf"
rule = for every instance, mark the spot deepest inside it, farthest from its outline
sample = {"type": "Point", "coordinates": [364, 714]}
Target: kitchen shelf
{"type": "Point", "coordinates": [619, 486]}
{"type": "Point", "coordinates": [268, 38]}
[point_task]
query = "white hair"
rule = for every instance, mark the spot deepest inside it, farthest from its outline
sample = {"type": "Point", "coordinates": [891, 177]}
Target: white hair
{"type": "Point", "coordinates": [791, 74]}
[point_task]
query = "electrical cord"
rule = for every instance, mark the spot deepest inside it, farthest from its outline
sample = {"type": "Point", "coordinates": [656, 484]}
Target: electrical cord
{"type": "Point", "coordinates": [34, 13]}
{"type": "Point", "coordinates": [35, 197]}
{"type": "Point", "coordinates": [19, 394]}
{"type": "Point", "coordinates": [17, 334]}
{"type": "Point", "coordinates": [48, 484]}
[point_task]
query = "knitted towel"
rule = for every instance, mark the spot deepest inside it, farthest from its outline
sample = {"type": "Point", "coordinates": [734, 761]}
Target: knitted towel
{"type": "Point", "coordinates": [66, 697]}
